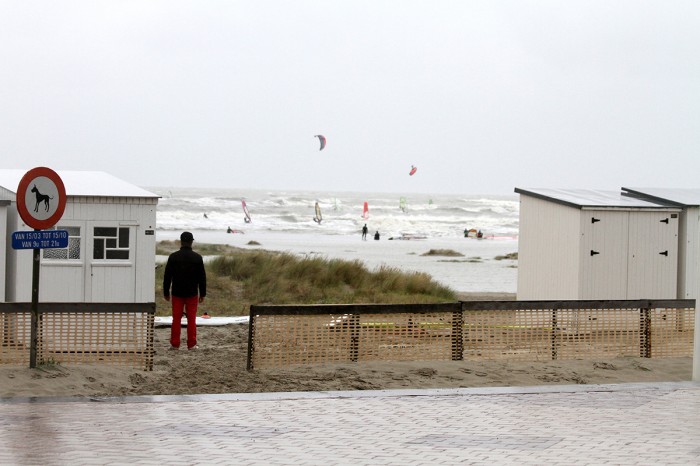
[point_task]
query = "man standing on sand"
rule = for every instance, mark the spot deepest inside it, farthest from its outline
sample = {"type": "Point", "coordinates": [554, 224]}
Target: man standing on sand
{"type": "Point", "coordinates": [364, 232]}
{"type": "Point", "coordinates": [185, 271]}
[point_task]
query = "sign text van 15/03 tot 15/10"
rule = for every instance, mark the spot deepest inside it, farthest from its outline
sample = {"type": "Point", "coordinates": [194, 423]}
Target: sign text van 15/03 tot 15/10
{"type": "Point", "coordinates": [40, 239]}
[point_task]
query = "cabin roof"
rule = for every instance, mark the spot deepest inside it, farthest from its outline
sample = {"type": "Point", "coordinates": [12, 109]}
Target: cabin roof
{"type": "Point", "coordinates": [581, 198]}
{"type": "Point", "coordinates": [81, 183]}
{"type": "Point", "coordinates": [674, 196]}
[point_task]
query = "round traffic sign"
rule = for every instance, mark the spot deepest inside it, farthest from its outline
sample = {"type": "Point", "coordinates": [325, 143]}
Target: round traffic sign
{"type": "Point", "coordinates": [41, 198]}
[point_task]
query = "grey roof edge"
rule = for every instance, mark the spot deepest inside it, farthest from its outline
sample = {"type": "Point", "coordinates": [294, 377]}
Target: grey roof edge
{"type": "Point", "coordinates": [629, 192]}
{"type": "Point", "coordinates": [547, 198]}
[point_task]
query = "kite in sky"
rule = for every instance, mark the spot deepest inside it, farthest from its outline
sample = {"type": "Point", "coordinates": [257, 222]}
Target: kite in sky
{"type": "Point", "coordinates": [413, 170]}
{"type": "Point", "coordinates": [322, 140]}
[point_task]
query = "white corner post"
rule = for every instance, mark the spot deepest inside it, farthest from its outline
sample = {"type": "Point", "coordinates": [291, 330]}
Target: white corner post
{"type": "Point", "coordinates": [696, 345]}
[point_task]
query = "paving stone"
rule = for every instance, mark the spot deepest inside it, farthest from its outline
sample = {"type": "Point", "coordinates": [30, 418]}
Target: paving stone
{"type": "Point", "coordinates": [628, 424]}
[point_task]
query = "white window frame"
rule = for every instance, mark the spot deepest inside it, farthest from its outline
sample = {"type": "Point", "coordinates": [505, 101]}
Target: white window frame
{"type": "Point", "coordinates": [117, 246]}
{"type": "Point", "coordinates": [71, 238]}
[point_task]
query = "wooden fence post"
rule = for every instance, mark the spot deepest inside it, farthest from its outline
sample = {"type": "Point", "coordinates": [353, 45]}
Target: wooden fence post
{"type": "Point", "coordinates": [251, 336]}
{"type": "Point", "coordinates": [457, 335]}
{"type": "Point", "coordinates": [645, 332]}
{"type": "Point", "coordinates": [354, 320]}
{"type": "Point", "coordinates": [554, 334]}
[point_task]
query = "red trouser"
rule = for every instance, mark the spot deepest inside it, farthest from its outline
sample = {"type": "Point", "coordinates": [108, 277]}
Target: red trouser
{"type": "Point", "coordinates": [190, 305]}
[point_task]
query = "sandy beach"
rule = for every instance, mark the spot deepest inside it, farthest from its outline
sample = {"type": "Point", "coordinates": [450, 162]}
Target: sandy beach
{"type": "Point", "coordinates": [219, 367]}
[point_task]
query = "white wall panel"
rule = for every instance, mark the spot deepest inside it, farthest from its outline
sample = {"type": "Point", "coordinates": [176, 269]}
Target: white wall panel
{"type": "Point", "coordinates": [111, 283]}
{"type": "Point", "coordinates": [62, 283]}
{"type": "Point", "coordinates": [548, 250]}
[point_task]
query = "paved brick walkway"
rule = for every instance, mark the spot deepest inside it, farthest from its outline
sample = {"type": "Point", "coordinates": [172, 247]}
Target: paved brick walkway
{"type": "Point", "coordinates": [592, 424]}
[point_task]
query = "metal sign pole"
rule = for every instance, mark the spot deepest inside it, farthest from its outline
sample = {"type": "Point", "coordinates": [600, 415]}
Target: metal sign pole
{"type": "Point", "coordinates": [36, 317]}
{"type": "Point", "coordinates": [45, 186]}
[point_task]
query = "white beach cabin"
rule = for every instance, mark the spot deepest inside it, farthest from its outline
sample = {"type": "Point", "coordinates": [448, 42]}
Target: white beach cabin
{"type": "Point", "coordinates": [111, 251]}
{"type": "Point", "coordinates": [688, 247]}
{"type": "Point", "coordinates": [587, 244]}
{"type": "Point", "coordinates": [688, 200]}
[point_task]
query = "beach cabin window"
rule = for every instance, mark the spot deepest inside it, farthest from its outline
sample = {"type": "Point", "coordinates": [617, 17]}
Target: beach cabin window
{"type": "Point", "coordinates": [72, 252]}
{"type": "Point", "coordinates": [110, 243]}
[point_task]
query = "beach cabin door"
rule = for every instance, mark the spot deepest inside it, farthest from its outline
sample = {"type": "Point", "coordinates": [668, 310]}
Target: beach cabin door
{"type": "Point", "coordinates": [629, 255]}
{"type": "Point", "coordinates": [111, 257]}
{"type": "Point", "coordinates": [653, 255]}
{"type": "Point", "coordinates": [604, 255]}
{"type": "Point", "coordinates": [63, 270]}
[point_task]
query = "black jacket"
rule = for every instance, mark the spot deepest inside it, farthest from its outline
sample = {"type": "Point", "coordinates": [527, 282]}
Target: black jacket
{"type": "Point", "coordinates": [185, 270]}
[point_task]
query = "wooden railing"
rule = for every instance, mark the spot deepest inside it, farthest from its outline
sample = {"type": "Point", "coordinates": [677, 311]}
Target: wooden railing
{"type": "Point", "coordinates": [102, 333]}
{"type": "Point", "coordinates": [515, 330]}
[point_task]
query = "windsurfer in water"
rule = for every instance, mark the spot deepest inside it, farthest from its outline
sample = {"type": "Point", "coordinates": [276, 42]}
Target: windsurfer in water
{"type": "Point", "coordinates": [364, 232]}
{"type": "Point", "coordinates": [317, 218]}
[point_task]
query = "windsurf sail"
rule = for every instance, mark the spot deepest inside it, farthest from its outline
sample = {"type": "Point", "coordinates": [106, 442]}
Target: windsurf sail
{"type": "Point", "coordinates": [245, 212]}
{"type": "Point", "coordinates": [413, 170]}
{"type": "Point", "coordinates": [365, 211]}
{"type": "Point", "coordinates": [322, 140]}
{"type": "Point", "coordinates": [402, 204]}
{"type": "Point", "coordinates": [318, 217]}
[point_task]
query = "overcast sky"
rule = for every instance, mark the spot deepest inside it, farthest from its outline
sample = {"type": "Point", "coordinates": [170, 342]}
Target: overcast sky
{"type": "Point", "coordinates": [481, 96]}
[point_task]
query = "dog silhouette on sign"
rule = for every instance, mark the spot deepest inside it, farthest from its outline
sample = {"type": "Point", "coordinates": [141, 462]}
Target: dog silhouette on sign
{"type": "Point", "coordinates": [45, 198]}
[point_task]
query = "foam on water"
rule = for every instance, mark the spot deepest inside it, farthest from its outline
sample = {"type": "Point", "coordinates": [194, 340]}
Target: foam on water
{"type": "Point", "coordinates": [429, 215]}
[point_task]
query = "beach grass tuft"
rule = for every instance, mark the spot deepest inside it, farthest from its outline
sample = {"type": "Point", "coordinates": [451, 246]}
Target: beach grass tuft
{"type": "Point", "coordinates": [163, 248]}
{"type": "Point", "coordinates": [239, 278]}
{"type": "Point", "coordinates": [443, 252]}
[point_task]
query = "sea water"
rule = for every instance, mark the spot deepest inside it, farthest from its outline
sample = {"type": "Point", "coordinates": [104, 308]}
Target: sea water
{"type": "Point", "coordinates": [284, 221]}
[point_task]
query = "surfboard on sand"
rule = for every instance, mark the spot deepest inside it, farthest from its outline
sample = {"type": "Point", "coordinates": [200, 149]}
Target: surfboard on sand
{"type": "Point", "coordinates": [203, 321]}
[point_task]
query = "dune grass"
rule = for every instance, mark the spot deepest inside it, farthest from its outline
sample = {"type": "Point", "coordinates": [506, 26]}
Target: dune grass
{"type": "Point", "coordinates": [163, 248]}
{"type": "Point", "coordinates": [443, 252]}
{"type": "Point", "coordinates": [239, 278]}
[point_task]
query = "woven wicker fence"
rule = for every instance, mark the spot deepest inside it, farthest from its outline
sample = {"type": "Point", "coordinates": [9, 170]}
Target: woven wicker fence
{"type": "Point", "coordinates": [508, 330]}
{"type": "Point", "coordinates": [103, 333]}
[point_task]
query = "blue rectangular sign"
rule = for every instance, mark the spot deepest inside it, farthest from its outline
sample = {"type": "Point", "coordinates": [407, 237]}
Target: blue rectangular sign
{"type": "Point", "coordinates": [40, 239]}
